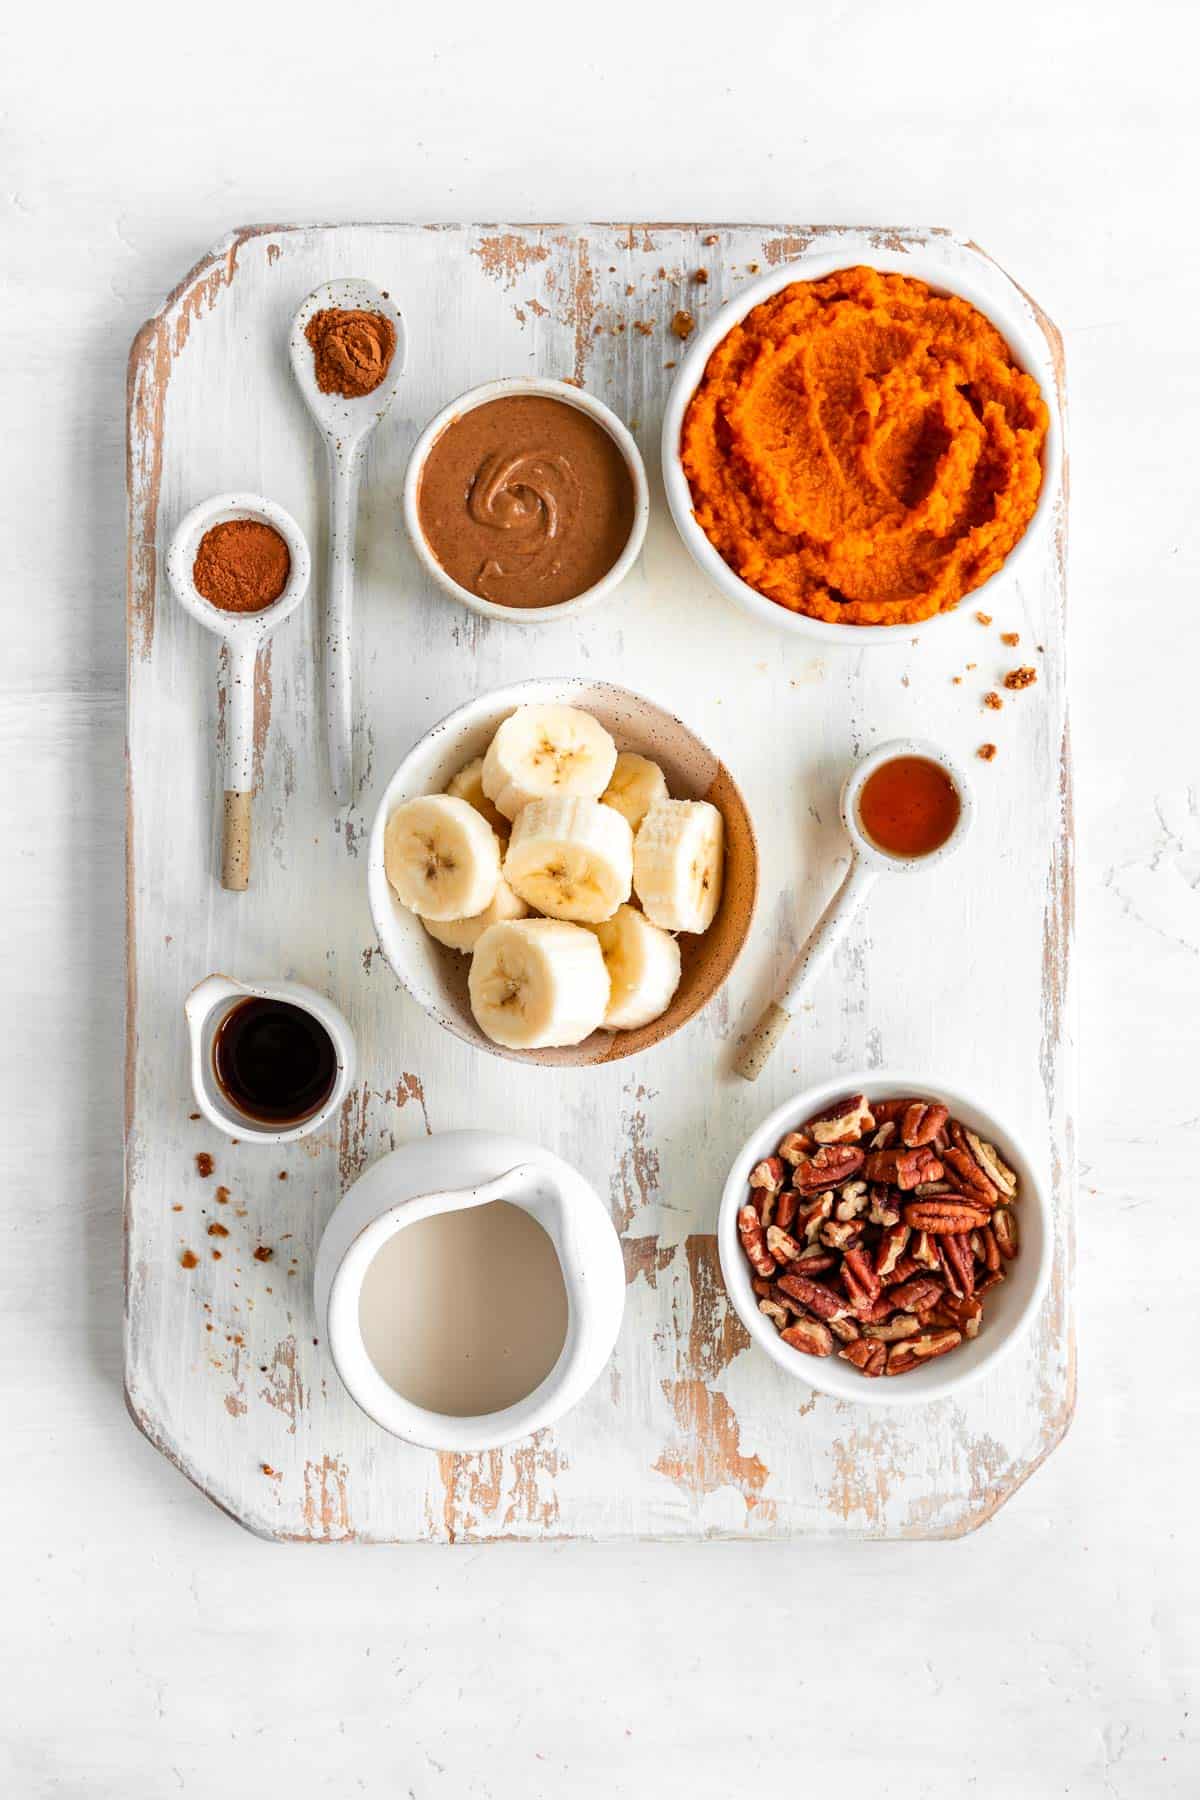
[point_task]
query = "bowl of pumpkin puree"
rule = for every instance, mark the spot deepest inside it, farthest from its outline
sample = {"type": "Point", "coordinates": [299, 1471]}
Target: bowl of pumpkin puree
{"type": "Point", "coordinates": [850, 453]}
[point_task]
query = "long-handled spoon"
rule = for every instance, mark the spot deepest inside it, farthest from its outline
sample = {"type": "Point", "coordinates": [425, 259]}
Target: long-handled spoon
{"type": "Point", "coordinates": [345, 425]}
{"type": "Point", "coordinates": [243, 635]}
{"type": "Point", "coordinates": [867, 863]}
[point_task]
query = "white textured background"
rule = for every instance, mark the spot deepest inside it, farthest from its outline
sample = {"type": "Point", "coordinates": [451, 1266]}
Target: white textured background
{"type": "Point", "coordinates": [146, 1645]}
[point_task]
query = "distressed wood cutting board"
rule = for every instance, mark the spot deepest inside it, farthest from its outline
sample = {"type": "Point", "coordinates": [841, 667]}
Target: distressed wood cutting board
{"type": "Point", "coordinates": [689, 1433]}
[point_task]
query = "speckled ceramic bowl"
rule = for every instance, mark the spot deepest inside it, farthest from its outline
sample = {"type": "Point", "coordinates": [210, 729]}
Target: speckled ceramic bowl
{"type": "Point", "coordinates": [437, 977]}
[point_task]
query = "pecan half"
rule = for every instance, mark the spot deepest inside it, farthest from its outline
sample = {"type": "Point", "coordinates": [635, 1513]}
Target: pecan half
{"type": "Point", "coordinates": [796, 1147]}
{"type": "Point", "coordinates": [843, 1123]}
{"type": "Point", "coordinates": [810, 1336]}
{"type": "Point", "coordinates": [941, 1216]}
{"type": "Point", "coordinates": [809, 1219]}
{"type": "Point", "coordinates": [997, 1172]}
{"type": "Point", "coordinates": [868, 1358]}
{"type": "Point", "coordinates": [857, 1270]}
{"type": "Point", "coordinates": [828, 1167]}
{"type": "Point", "coordinates": [911, 1296]}
{"type": "Point", "coordinates": [911, 1352]}
{"type": "Point", "coordinates": [922, 1122]}
{"type": "Point", "coordinates": [819, 1299]}
{"type": "Point", "coordinates": [892, 1246]}
{"type": "Point", "coordinates": [957, 1260]}
{"type": "Point", "coordinates": [767, 1175]}
{"type": "Point", "coordinates": [782, 1246]}
{"type": "Point", "coordinates": [1006, 1232]}
{"type": "Point", "coordinates": [903, 1168]}
{"type": "Point", "coordinates": [751, 1233]}
{"type": "Point", "coordinates": [971, 1178]}
{"type": "Point", "coordinates": [989, 1249]}
{"type": "Point", "coordinates": [901, 1325]}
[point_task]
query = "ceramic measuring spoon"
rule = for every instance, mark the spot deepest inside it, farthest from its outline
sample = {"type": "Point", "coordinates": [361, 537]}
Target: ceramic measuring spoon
{"type": "Point", "coordinates": [345, 425]}
{"type": "Point", "coordinates": [243, 635]}
{"type": "Point", "coordinates": [867, 863]}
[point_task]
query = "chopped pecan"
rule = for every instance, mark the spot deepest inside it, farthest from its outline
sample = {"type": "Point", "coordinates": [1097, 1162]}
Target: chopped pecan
{"type": "Point", "coordinates": [762, 1287]}
{"type": "Point", "coordinates": [990, 1280]}
{"type": "Point", "coordinates": [816, 1260]}
{"type": "Point", "coordinates": [909, 1353]}
{"type": "Point", "coordinates": [845, 1329]}
{"type": "Point", "coordinates": [892, 1246]}
{"type": "Point", "coordinates": [809, 1219]}
{"type": "Point", "coordinates": [810, 1336]}
{"type": "Point", "coordinates": [957, 1260]}
{"type": "Point", "coordinates": [881, 1211]}
{"type": "Point", "coordinates": [838, 1236]}
{"type": "Point", "coordinates": [859, 1277]}
{"type": "Point", "coordinates": [774, 1311]}
{"type": "Point", "coordinates": [985, 1154]}
{"type": "Point", "coordinates": [963, 1315]}
{"type": "Point", "coordinates": [767, 1175]}
{"type": "Point", "coordinates": [829, 1167]}
{"type": "Point", "coordinates": [843, 1123]}
{"type": "Point", "coordinates": [900, 1325]}
{"type": "Point", "coordinates": [796, 1147]}
{"type": "Point", "coordinates": [941, 1216]}
{"type": "Point", "coordinates": [782, 1246]}
{"type": "Point", "coordinates": [911, 1296]}
{"type": "Point", "coordinates": [851, 1201]}
{"type": "Point", "coordinates": [1006, 1232]}
{"type": "Point", "coordinates": [785, 1209]}
{"type": "Point", "coordinates": [929, 1190]}
{"type": "Point", "coordinates": [888, 1112]}
{"type": "Point", "coordinates": [884, 1135]}
{"type": "Point", "coordinates": [903, 1168]}
{"type": "Point", "coordinates": [905, 1269]}
{"type": "Point", "coordinates": [876, 1312]}
{"type": "Point", "coordinates": [751, 1233]}
{"type": "Point", "coordinates": [922, 1122]}
{"type": "Point", "coordinates": [924, 1251]}
{"type": "Point", "coordinates": [989, 1249]}
{"type": "Point", "coordinates": [819, 1299]}
{"type": "Point", "coordinates": [971, 1178]}
{"type": "Point", "coordinates": [868, 1358]}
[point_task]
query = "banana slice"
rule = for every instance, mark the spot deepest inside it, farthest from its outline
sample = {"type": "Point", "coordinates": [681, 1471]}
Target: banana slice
{"type": "Point", "coordinates": [637, 783]}
{"type": "Point", "coordinates": [537, 982]}
{"type": "Point", "coordinates": [464, 934]}
{"type": "Point", "coordinates": [643, 967]}
{"type": "Point", "coordinates": [679, 863]}
{"type": "Point", "coordinates": [441, 857]}
{"type": "Point", "coordinates": [572, 859]}
{"type": "Point", "coordinates": [468, 785]}
{"type": "Point", "coordinates": [541, 750]}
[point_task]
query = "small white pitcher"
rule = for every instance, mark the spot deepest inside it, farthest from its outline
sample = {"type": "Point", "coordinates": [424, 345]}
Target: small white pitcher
{"type": "Point", "coordinates": [448, 1173]}
{"type": "Point", "coordinates": [206, 1007]}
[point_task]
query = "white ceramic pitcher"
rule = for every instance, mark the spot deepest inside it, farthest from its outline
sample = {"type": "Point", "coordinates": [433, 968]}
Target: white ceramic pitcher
{"type": "Point", "coordinates": [447, 1173]}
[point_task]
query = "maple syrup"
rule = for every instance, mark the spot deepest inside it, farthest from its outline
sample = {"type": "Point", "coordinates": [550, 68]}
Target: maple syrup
{"type": "Point", "coordinates": [909, 806]}
{"type": "Point", "coordinates": [274, 1062]}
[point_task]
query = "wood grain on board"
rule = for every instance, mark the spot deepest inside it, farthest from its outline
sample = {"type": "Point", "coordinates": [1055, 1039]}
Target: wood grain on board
{"type": "Point", "coordinates": [688, 1433]}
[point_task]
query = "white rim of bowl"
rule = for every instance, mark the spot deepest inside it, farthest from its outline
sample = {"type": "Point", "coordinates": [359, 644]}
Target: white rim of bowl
{"type": "Point", "coordinates": [583, 402]}
{"type": "Point", "coordinates": [735, 1270]}
{"type": "Point", "coordinates": [1020, 331]}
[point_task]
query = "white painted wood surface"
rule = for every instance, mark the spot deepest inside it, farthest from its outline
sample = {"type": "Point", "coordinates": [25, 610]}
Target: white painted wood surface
{"type": "Point", "coordinates": [689, 1434]}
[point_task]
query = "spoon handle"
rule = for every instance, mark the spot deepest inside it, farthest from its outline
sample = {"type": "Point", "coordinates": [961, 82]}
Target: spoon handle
{"type": "Point", "coordinates": [820, 945]}
{"type": "Point", "coordinates": [239, 764]}
{"type": "Point", "coordinates": [339, 615]}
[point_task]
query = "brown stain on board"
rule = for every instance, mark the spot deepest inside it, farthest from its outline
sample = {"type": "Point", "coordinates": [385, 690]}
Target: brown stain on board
{"type": "Point", "coordinates": [645, 1256]}
{"type": "Point", "coordinates": [262, 712]}
{"type": "Point", "coordinates": [507, 256]}
{"type": "Point", "coordinates": [285, 1389]}
{"type": "Point", "coordinates": [634, 1182]}
{"type": "Point", "coordinates": [583, 305]}
{"type": "Point", "coordinates": [326, 1505]}
{"type": "Point", "coordinates": [716, 1335]}
{"type": "Point", "coordinates": [710, 1455]}
{"type": "Point", "coordinates": [361, 1134]}
{"type": "Point", "coordinates": [865, 1466]}
{"type": "Point", "coordinates": [494, 1493]}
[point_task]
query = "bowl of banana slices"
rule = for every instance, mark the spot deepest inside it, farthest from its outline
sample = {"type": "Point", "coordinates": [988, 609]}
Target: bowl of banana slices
{"type": "Point", "coordinates": [561, 872]}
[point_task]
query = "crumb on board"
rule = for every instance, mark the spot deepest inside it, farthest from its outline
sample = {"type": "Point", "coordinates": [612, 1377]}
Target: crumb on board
{"type": "Point", "coordinates": [712, 238]}
{"type": "Point", "coordinates": [683, 325]}
{"type": "Point", "coordinates": [971, 666]}
{"type": "Point", "coordinates": [986, 752]}
{"type": "Point", "coordinates": [700, 277]}
{"type": "Point", "coordinates": [992, 699]}
{"type": "Point", "coordinates": [204, 1164]}
{"type": "Point", "coordinates": [984, 618]}
{"type": "Point", "coordinates": [263, 1253]}
{"type": "Point", "coordinates": [1020, 678]}
{"type": "Point", "coordinates": [645, 326]}
{"type": "Point", "coordinates": [1011, 638]}
{"type": "Point", "coordinates": [668, 365]}
{"type": "Point", "coordinates": [753, 268]}
{"type": "Point", "coordinates": [188, 1259]}
{"type": "Point", "coordinates": [956, 680]}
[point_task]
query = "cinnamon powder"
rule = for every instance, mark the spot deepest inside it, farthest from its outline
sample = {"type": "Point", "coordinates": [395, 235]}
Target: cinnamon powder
{"type": "Point", "coordinates": [352, 350]}
{"type": "Point", "coordinates": [242, 565]}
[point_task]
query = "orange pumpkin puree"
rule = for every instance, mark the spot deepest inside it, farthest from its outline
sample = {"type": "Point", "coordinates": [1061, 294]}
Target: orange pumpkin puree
{"type": "Point", "coordinates": [864, 450]}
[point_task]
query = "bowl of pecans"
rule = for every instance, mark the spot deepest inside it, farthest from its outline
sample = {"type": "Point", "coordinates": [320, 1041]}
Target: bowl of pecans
{"type": "Point", "coordinates": [885, 1225]}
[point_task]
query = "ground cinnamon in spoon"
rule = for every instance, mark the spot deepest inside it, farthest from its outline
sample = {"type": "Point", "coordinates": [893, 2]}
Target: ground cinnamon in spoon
{"type": "Point", "coordinates": [242, 565]}
{"type": "Point", "coordinates": [352, 350]}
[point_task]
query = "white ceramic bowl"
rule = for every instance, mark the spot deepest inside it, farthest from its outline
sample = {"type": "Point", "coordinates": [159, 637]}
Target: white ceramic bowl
{"type": "Point", "coordinates": [1024, 339]}
{"type": "Point", "coordinates": [437, 977]}
{"type": "Point", "coordinates": [582, 402]}
{"type": "Point", "coordinates": [1008, 1309]}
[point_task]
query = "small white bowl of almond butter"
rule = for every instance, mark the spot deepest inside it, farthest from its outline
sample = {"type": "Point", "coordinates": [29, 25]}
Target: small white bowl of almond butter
{"type": "Point", "coordinates": [561, 872]}
{"type": "Point", "coordinates": [885, 1224]}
